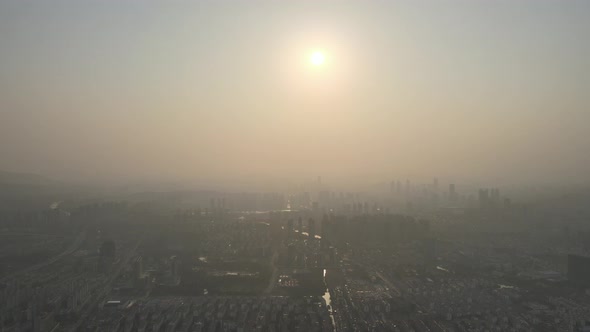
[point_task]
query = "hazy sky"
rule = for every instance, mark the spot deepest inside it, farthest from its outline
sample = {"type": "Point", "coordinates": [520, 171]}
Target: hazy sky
{"type": "Point", "coordinates": [210, 90]}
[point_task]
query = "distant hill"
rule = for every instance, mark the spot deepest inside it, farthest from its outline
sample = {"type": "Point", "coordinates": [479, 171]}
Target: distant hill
{"type": "Point", "coordinates": [13, 178]}
{"type": "Point", "coordinates": [24, 191]}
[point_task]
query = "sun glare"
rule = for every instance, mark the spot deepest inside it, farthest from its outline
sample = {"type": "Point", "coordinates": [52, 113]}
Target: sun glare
{"type": "Point", "coordinates": [317, 58]}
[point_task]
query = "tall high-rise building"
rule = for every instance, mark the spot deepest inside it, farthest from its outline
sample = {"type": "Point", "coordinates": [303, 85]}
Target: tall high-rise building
{"type": "Point", "coordinates": [291, 252]}
{"type": "Point", "coordinates": [495, 197]}
{"type": "Point", "coordinates": [452, 193]}
{"type": "Point", "coordinates": [175, 268]}
{"type": "Point", "coordinates": [311, 228]}
{"type": "Point", "coordinates": [324, 198]}
{"type": "Point", "coordinates": [138, 268]}
{"type": "Point", "coordinates": [289, 228]}
{"type": "Point", "coordinates": [483, 198]}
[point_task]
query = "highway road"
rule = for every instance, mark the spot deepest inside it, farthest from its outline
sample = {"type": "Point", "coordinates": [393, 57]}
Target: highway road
{"type": "Point", "coordinates": [106, 289]}
{"type": "Point", "coordinates": [275, 273]}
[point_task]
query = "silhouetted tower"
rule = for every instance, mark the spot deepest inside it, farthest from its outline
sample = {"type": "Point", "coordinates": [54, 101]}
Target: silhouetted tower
{"type": "Point", "coordinates": [289, 228]}
{"type": "Point", "coordinates": [484, 198]}
{"type": "Point", "coordinates": [452, 193]}
{"type": "Point", "coordinates": [175, 268]}
{"type": "Point", "coordinates": [291, 254]}
{"type": "Point", "coordinates": [495, 197]}
{"type": "Point", "coordinates": [324, 241]}
{"type": "Point", "coordinates": [311, 226]}
{"type": "Point", "coordinates": [138, 267]}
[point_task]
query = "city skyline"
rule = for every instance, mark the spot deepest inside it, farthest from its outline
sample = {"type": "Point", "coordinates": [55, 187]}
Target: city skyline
{"type": "Point", "coordinates": [294, 165]}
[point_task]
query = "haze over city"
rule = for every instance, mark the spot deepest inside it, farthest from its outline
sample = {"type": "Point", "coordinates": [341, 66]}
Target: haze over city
{"type": "Point", "coordinates": [224, 92]}
{"type": "Point", "coordinates": [321, 166]}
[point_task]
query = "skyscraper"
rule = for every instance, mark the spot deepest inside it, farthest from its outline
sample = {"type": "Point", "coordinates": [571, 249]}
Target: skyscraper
{"type": "Point", "coordinates": [452, 193]}
{"type": "Point", "coordinates": [484, 197]}
{"type": "Point", "coordinates": [311, 228]}
{"type": "Point", "coordinates": [289, 228]}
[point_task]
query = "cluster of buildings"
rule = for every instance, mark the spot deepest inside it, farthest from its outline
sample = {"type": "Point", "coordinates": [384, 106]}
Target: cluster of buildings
{"type": "Point", "coordinates": [464, 277]}
{"type": "Point", "coordinates": [146, 267]}
{"type": "Point", "coordinates": [212, 313]}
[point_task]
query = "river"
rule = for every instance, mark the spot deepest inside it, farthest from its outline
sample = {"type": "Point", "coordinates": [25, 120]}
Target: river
{"type": "Point", "coordinates": [328, 301]}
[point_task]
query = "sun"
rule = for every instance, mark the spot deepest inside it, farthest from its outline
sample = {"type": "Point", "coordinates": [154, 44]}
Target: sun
{"type": "Point", "coordinates": [317, 58]}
